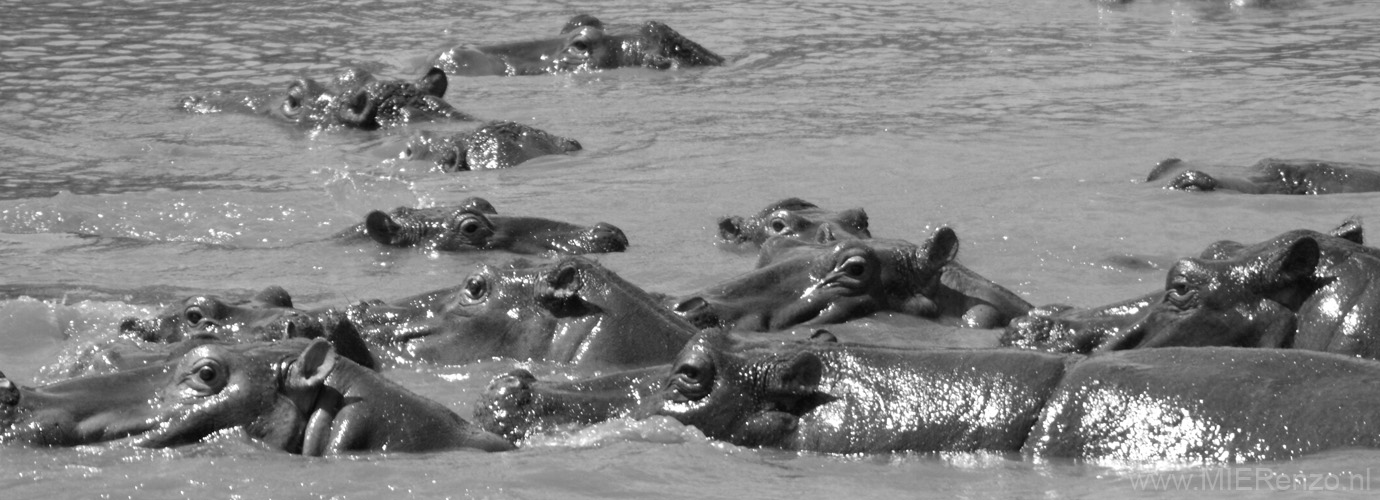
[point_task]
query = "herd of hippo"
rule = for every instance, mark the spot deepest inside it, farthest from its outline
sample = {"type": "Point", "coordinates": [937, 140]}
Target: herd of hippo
{"type": "Point", "coordinates": [1249, 352]}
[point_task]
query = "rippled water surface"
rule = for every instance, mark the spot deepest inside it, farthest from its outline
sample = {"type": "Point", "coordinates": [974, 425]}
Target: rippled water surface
{"type": "Point", "coordinates": [1027, 125]}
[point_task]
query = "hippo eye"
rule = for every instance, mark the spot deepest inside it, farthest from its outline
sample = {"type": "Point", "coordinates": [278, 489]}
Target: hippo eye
{"type": "Point", "coordinates": [476, 288]}
{"type": "Point", "coordinates": [208, 376]}
{"type": "Point", "coordinates": [470, 226]}
{"type": "Point", "coordinates": [1180, 294]}
{"type": "Point", "coordinates": [855, 267]}
{"type": "Point", "coordinates": [580, 45]}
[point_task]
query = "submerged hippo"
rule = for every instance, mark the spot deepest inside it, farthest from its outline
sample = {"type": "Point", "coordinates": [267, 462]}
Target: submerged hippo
{"type": "Point", "coordinates": [796, 219]}
{"type": "Point", "coordinates": [1180, 404]}
{"type": "Point", "coordinates": [267, 316]}
{"type": "Point", "coordinates": [570, 311]}
{"type": "Point", "coordinates": [296, 395]}
{"type": "Point", "coordinates": [1302, 289]}
{"type": "Point", "coordinates": [474, 224]}
{"type": "Point", "coordinates": [493, 145]}
{"type": "Point", "coordinates": [584, 45]}
{"type": "Point", "coordinates": [821, 284]}
{"type": "Point", "coordinates": [354, 99]}
{"type": "Point", "coordinates": [1273, 176]}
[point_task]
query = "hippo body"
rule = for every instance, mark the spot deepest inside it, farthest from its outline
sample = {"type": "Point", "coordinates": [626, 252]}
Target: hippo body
{"type": "Point", "coordinates": [584, 45]}
{"type": "Point", "coordinates": [570, 311]}
{"type": "Point", "coordinates": [354, 99]}
{"type": "Point", "coordinates": [1210, 405]}
{"type": "Point", "coordinates": [295, 395]}
{"type": "Point", "coordinates": [795, 219]}
{"type": "Point", "coordinates": [473, 225]}
{"type": "Point", "coordinates": [491, 146]}
{"type": "Point", "coordinates": [1302, 289]}
{"type": "Point", "coordinates": [821, 284]}
{"type": "Point", "coordinates": [1273, 176]}
{"type": "Point", "coordinates": [267, 316]}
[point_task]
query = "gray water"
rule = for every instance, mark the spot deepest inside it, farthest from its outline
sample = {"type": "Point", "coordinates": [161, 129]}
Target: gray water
{"type": "Point", "coordinates": [1026, 125]}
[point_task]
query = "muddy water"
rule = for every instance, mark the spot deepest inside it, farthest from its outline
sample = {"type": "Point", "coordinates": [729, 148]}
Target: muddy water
{"type": "Point", "coordinates": [1025, 125]}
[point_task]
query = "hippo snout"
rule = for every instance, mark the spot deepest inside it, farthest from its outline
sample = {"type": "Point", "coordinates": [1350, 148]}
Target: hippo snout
{"type": "Point", "coordinates": [608, 237]}
{"type": "Point", "coordinates": [506, 404]}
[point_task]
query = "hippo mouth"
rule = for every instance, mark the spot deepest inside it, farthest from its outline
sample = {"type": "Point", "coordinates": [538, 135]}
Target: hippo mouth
{"type": "Point", "coordinates": [79, 411]}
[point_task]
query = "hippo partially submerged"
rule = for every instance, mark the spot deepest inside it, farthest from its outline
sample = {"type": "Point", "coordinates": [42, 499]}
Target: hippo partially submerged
{"type": "Point", "coordinates": [1301, 289]}
{"type": "Point", "coordinates": [584, 45]}
{"type": "Point", "coordinates": [1273, 176]}
{"type": "Point", "coordinates": [474, 224]}
{"type": "Point", "coordinates": [267, 316]}
{"type": "Point", "coordinates": [796, 219]}
{"type": "Point", "coordinates": [1210, 405]}
{"type": "Point", "coordinates": [570, 311]}
{"type": "Point", "coordinates": [493, 145]}
{"type": "Point", "coordinates": [354, 99]}
{"type": "Point", "coordinates": [821, 284]}
{"type": "Point", "coordinates": [295, 395]}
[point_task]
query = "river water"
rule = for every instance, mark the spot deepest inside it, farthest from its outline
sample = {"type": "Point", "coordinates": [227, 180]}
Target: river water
{"type": "Point", "coordinates": [1026, 125]}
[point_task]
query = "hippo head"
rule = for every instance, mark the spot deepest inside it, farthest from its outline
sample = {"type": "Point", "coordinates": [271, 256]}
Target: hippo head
{"type": "Point", "coordinates": [494, 145]}
{"type": "Point", "coordinates": [828, 284]}
{"type": "Point", "coordinates": [586, 46]}
{"type": "Point", "coordinates": [469, 228]}
{"type": "Point", "coordinates": [572, 311]}
{"type": "Point", "coordinates": [356, 99]}
{"type": "Point", "coordinates": [1249, 301]}
{"type": "Point", "coordinates": [268, 315]}
{"type": "Point", "coordinates": [754, 398]}
{"type": "Point", "coordinates": [796, 219]}
{"type": "Point", "coordinates": [266, 388]}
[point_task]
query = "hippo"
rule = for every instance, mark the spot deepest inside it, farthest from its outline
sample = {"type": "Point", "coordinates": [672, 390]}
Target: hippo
{"type": "Point", "coordinates": [268, 315]}
{"type": "Point", "coordinates": [355, 99]}
{"type": "Point", "coordinates": [1301, 289]}
{"type": "Point", "coordinates": [491, 146]}
{"type": "Point", "coordinates": [796, 219]}
{"type": "Point", "coordinates": [1216, 405]}
{"type": "Point", "coordinates": [1210, 405]}
{"type": "Point", "coordinates": [295, 395]}
{"type": "Point", "coordinates": [517, 405]}
{"type": "Point", "coordinates": [570, 311]}
{"type": "Point", "coordinates": [474, 224]}
{"type": "Point", "coordinates": [821, 284]}
{"type": "Point", "coordinates": [584, 45]}
{"type": "Point", "coordinates": [1273, 176]}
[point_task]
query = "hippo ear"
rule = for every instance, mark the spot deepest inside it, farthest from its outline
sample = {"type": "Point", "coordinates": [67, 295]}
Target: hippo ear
{"type": "Point", "coordinates": [788, 204]}
{"type": "Point", "coordinates": [1163, 168]}
{"type": "Point", "coordinates": [274, 296]}
{"type": "Point", "coordinates": [798, 377]}
{"type": "Point", "coordinates": [1292, 267]}
{"type": "Point", "coordinates": [1350, 230]}
{"type": "Point", "coordinates": [857, 219]}
{"type": "Point", "coordinates": [940, 249]}
{"type": "Point", "coordinates": [313, 365]}
{"type": "Point", "coordinates": [434, 83]}
{"type": "Point", "coordinates": [562, 293]}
